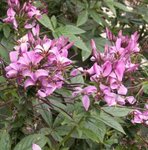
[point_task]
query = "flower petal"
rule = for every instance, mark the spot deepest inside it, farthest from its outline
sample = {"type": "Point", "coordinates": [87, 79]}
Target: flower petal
{"type": "Point", "coordinates": [36, 147]}
{"type": "Point", "coordinates": [86, 102]}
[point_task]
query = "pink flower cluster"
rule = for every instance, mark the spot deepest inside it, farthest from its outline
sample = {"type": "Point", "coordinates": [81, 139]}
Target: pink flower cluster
{"type": "Point", "coordinates": [16, 12]}
{"type": "Point", "coordinates": [39, 63]}
{"type": "Point", "coordinates": [109, 69]}
{"type": "Point", "coordinates": [140, 117]}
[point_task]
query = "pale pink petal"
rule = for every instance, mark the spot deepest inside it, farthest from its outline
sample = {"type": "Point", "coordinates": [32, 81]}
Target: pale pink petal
{"type": "Point", "coordinates": [24, 47]}
{"type": "Point", "coordinates": [111, 101]}
{"type": "Point", "coordinates": [11, 74]}
{"type": "Point", "coordinates": [28, 83]}
{"type": "Point", "coordinates": [107, 68]}
{"type": "Point", "coordinates": [13, 56]}
{"type": "Point", "coordinates": [118, 44]}
{"type": "Point", "coordinates": [119, 69]}
{"type": "Point", "coordinates": [86, 102]}
{"type": "Point", "coordinates": [41, 93]}
{"type": "Point", "coordinates": [120, 100]}
{"type": "Point", "coordinates": [41, 73]}
{"type": "Point", "coordinates": [113, 83]}
{"type": "Point", "coordinates": [122, 90]}
{"type": "Point", "coordinates": [130, 99]}
{"type": "Point", "coordinates": [36, 147]}
{"type": "Point", "coordinates": [89, 90]}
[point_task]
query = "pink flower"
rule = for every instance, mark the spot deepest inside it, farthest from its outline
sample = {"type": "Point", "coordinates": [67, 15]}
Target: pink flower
{"type": "Point", "coordinates": [36, 147]}
{"type": "Point", "coordinates": [86, 102]}
{"type": "Point", "coordinates": [122, 90]}
{"type": "Point", "coordinates": [11, 18]}
{"type": "Point", "coordinates": [130, 99]}
{"type": "Point", "coordinates": [119, 69]}
{"type": "Point", "coordinates": [137, 118]}
{"type": "Point", "coordinates": [106, 68]}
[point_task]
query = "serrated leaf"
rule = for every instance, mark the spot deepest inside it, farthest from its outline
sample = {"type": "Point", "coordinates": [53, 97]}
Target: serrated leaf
{"type": "Point", "coordinates": [117, 111]}
{"type": "Point", "coordinates": [5, 143]}
{"type": "Point", "coordinates": [26, 143]}
{"type": "Point", "coordinates": [82, 17]}
{"type": "Point", "coordinates": [96, 17]}
{"type": "Point", "coordinates": [110, 121]}
{"type": "Point", "coordinates": [45, 21]}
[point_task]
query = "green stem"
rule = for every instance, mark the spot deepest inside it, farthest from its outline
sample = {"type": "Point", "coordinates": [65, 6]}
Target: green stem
{"type": "Point", "coordinates": [65, 139]}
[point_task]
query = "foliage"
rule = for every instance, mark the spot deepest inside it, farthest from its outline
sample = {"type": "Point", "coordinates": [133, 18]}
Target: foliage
{"type": "Point", "coordinates": [59, 121]}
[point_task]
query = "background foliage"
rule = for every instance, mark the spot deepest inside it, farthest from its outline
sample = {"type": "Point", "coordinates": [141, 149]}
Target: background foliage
{"type": "Point", "coordinates": [61, 123]}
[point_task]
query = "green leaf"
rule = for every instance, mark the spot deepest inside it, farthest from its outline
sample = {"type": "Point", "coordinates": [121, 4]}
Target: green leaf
{"type": "Point", "coordinates": [26, 142]}
{"type": "Point", "coordinates": [82, 18]}
{"type": "Point", "coordinates": [46, 114]}
{"type": "Point", "coordinates": [145, 87]}
{"type": "Point", "coordinates": [110, 121]}
{"type": "Point", "coordinates": [90, 135]}
{"type": "Point", "coordinates": [96, 17]}
{"type": "Point", "coordinates": [5, 143]}
{"type": "Point", "coordinates": [110, 4]}
{"type": "Point", "coordinates": [97, 127]}
{"type": "Point", "coordinates": [6, 30]}
{"type": "Point", "coordinates": [45, 21]}
{"type": "Point", "coordinates": [77, 79]}
{"type": "Point", "coordinates": [117, 111]}
{"type": "Point", "coordinates": [4, 52]}
{"type": "Point", "coordinates": [71, 29]}
{"type": "Point", "coordinates": [121, 6]}
{"type": "Point", "coordinates": [78, 42]}
{"type": "Point", "coordinates": [54, 21]}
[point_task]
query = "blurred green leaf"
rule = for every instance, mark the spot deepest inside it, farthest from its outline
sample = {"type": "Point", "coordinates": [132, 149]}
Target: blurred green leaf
{"type": "Point", "coordinates": [26, 142]}
{"type": "Point", "coordinates": [54, 21]}
{"type": "Point", "coordinates": [145, 87]}
{"type": "Point", "coordinates": [4, 52]}
{"type": "Point", "coordinates": [5, 142]}
{"type": "Point", "coordinates": [71, 29]}
{"type": "Point", "coordinates": [110, 121]}
{"type": "Point", "coordinates": [82, 17]}
{"type": "Point", "coordinates": [117, 111]}
{"type": "Point", "coordinates": [6, 30]}
{"type": "Point", "coordinates": [96, 17]}
{"type": "Point", "coordinates": [45, 113]}
{"type": "Point", "coordinates": [121, 6]}
{"type": "Point", "coordinates": [45, 21]}
{"type": "Point", "coordinates": [78, 42]}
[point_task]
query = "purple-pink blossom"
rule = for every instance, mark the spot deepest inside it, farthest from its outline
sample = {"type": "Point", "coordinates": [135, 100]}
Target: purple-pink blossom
{"type": "Point", "coordinates": [36, 147]}
{"type": "Point", "coordinates": [110, 68]}
{"type": "Point", "coordinates": [40, 64]}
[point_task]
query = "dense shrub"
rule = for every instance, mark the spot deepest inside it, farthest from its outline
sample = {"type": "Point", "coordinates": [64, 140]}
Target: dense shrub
{"type": "Point", "coordinates": [73, 75]}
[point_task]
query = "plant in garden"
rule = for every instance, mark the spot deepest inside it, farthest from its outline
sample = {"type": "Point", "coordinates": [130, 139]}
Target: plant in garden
{"type": "Point", "coordinates": [64, 98]}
